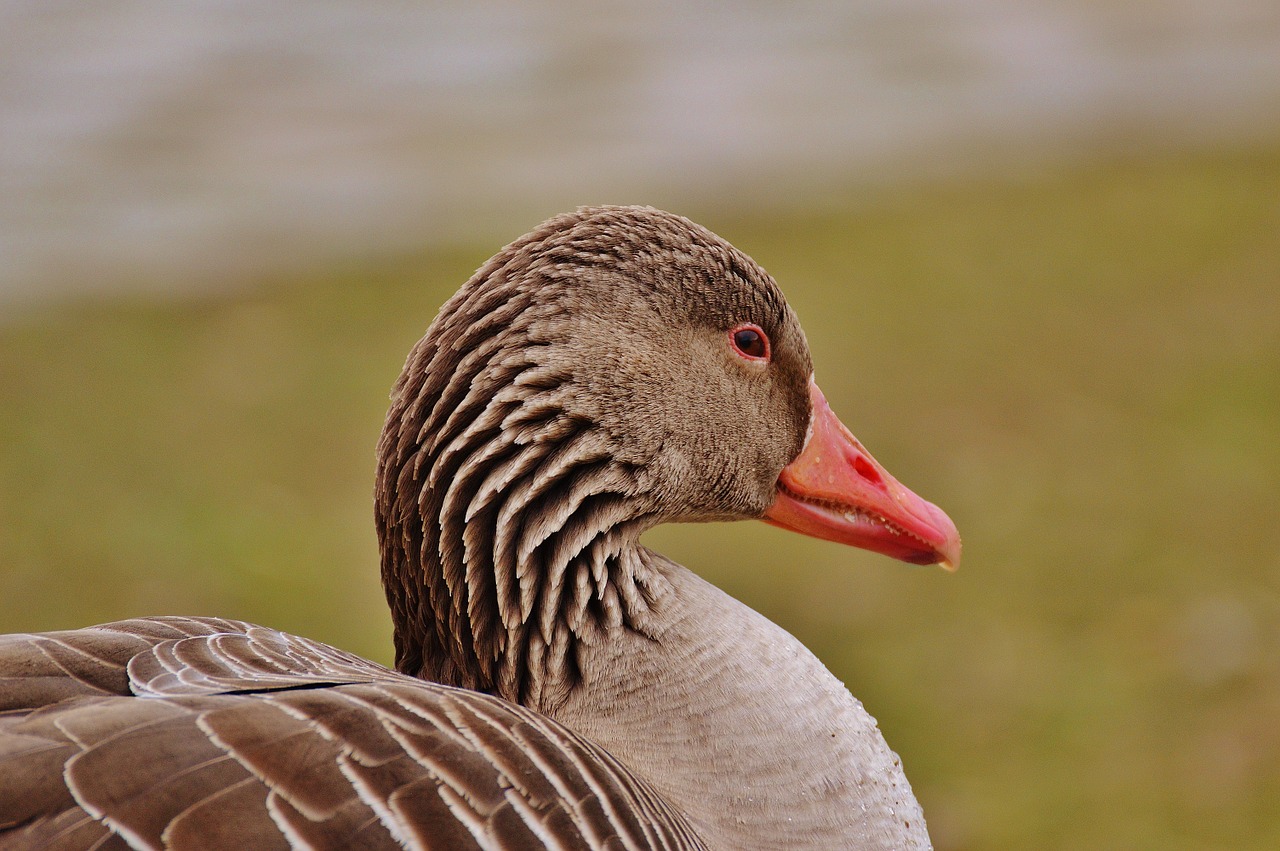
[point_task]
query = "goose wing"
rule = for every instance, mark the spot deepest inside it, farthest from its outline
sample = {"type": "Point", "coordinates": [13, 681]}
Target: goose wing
{"type": "Point", "coordinates": [202, 732]}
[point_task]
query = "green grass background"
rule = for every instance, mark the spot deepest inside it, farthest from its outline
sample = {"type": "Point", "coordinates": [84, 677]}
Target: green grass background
{"type": "Point", "coordinates": [1082, 368]}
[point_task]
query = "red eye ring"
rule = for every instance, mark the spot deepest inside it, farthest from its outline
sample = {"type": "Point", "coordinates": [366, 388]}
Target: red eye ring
{"type": "Point", "coordinates": [750, 341]}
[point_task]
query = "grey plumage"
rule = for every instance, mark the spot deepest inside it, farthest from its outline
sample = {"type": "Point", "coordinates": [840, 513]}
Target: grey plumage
{"type": "Point", "coordinates": [585, 692]}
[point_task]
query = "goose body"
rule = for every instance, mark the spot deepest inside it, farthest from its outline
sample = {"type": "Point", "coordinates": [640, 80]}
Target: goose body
{"type": "Point", "coordinates": [557, 684]}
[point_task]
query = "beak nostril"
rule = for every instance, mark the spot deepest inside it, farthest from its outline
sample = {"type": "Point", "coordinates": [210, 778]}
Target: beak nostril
{"type": "Point", "coordinates": [867, 470]}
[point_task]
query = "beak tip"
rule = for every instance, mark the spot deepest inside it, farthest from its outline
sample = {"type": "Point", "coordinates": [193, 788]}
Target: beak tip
{"type": "Point", "coordinates": [950, 547]}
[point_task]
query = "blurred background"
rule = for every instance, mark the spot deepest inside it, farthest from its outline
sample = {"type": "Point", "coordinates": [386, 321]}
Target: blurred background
{"type": "Point", "coordinates": [1035, 245]}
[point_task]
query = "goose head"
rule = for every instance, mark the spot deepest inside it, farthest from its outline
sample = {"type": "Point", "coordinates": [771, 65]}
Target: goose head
{"type": "Point", "coordinates": [616, 368]}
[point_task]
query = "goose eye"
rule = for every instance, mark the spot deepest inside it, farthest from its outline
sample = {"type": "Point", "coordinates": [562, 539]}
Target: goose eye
{"type": "Point", "coordinates": [750, 342]}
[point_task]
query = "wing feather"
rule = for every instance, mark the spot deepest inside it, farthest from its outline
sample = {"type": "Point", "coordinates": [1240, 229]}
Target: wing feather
{"type": "Point", "coordinates": [207, 733]}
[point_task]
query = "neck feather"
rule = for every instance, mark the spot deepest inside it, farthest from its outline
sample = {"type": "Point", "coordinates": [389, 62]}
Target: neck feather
{"type": "Point", "coordinates": [508, 524]}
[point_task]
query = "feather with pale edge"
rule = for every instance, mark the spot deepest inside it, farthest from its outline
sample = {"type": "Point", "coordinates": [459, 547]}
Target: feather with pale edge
{"type": "Point", "coordinates": [185, 732]}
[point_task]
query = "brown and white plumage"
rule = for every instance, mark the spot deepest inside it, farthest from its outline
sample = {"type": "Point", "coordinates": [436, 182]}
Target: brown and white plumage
{"type": "Point", "coordinates": [585, 692]}
{"type": "Point", "coordinates": [252, 738]}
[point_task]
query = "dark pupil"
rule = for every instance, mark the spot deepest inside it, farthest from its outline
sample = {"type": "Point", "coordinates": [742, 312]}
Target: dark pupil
{"type": "Point", "coordinates": [749, 342]}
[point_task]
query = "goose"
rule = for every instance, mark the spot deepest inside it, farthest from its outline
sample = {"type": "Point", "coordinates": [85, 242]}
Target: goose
{"type": "Point", "coordinates": [556, 683]}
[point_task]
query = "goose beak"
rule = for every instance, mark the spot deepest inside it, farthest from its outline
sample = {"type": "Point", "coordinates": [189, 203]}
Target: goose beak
{"type": "Point", "coordinates": [836, 491]}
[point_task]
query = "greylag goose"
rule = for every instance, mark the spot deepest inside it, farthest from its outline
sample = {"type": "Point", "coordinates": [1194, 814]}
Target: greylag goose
{"type": "Point", "coordinates": [557, 684]}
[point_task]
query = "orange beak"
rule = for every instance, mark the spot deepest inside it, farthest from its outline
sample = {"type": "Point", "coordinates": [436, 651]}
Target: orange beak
{"type": "Point", "coordinates": [836, 491]}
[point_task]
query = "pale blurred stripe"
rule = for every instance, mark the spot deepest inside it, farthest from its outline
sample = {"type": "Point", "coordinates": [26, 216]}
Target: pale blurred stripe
{"type": "Point", "coordinates": [166, 146]}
